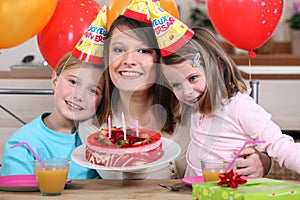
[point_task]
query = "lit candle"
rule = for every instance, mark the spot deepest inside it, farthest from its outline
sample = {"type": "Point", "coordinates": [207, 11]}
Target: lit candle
{"type": "Point", "coordinates": [137, 126]}
{"type": "Point", "coordinates": [109, 126]}
{"type": "Point", "coordinates": [124, 126]}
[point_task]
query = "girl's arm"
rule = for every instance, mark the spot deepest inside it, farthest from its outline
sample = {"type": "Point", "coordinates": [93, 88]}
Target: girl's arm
{"type": "Point", "coordinates": [16, 161]}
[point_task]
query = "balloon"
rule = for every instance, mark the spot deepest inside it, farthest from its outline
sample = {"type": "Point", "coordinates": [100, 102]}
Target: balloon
{"type": "Point", "coordinates": [246, 24]}
{"type": "Point", "coordinates": [116, 8]}
{"type": "Point", "coordinates": [20, 20]}
{"type": "Point", "coordinates": [68, 23]}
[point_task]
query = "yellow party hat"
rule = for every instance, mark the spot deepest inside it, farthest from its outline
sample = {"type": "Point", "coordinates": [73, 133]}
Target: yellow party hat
{"type": "Point", "coordinates": [138, 9]}
{"type": "Point", "coordinates": [91, 45]}
{"type": "Point", "coordinates": [171, 33]}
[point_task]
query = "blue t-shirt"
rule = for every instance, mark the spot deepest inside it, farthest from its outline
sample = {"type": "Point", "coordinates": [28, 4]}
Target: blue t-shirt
{"type": "Point", "coordinates": [47, 144]}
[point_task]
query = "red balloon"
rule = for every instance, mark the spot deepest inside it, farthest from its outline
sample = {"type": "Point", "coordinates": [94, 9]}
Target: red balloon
{"type": "Point", "coordinates": [246, 24]}
{"type": "Point", "coordinates": [68, 23]}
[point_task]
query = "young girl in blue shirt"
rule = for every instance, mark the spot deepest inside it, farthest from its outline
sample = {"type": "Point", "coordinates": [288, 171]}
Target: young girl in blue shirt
{"type": "Point", "coordinates": [78, 90]}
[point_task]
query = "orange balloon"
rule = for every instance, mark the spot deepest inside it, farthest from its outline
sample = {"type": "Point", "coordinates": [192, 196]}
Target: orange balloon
{"type": "Point", "coordinates": [20, 20]}
{"type": "Point", "coordinates": [117, 7]}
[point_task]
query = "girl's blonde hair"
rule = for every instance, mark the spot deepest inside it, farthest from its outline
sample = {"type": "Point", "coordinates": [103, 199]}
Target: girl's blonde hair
{"type": "Point", "coordinates": [68, 62]}
{"type": "Point", "coordinates": [71, 62]}
{"type": "Point", "coordinates": [222, 76]}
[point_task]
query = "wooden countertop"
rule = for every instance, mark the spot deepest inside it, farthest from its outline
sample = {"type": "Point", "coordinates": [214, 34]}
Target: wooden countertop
{"type": "Point", "coordinates": [111, 189]}
{"type": "Point", "coordinates": [267, 59]}
{"type": "Point", "coordinates": [27, 73]}
{"type": "Point", "coordinates": [270, 72]}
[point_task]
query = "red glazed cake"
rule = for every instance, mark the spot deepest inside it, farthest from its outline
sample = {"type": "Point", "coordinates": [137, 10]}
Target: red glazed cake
{"type": "Point", "coordinates": [117, 152]}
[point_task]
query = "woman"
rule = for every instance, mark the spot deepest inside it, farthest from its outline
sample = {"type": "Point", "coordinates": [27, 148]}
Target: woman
{"type": "Point", "coordinates": [131, 54]}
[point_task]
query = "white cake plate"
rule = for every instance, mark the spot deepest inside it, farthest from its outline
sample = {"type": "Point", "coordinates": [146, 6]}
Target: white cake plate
{"type": "Point", "coordinates": [171, 151]}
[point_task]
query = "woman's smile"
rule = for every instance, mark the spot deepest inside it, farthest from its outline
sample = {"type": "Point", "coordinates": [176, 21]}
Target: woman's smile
{"type": "Point", "coordinates": [130, 74]}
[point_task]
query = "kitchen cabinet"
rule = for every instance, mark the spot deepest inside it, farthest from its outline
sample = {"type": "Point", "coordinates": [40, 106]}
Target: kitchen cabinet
{"type": "Point", "coordinates": [26, 107]}
{"type": "Point", "coordinates": [278, 92]}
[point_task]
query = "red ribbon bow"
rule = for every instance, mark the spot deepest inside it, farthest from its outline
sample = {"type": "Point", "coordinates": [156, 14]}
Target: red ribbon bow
{"type": "Point", "coordinates": [231, 179]}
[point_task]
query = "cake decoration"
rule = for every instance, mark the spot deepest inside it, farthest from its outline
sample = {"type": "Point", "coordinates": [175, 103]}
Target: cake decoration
{"type": "Point", "coordinates": [124, 126]}
{"type": "Point", "coordinates": [118, 151]}
{"type": "Point", "coordinates": [117, 138]}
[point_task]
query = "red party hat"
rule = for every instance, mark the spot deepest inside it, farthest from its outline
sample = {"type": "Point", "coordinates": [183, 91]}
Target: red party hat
{"type": "Point", "coordinates": [90, 47]}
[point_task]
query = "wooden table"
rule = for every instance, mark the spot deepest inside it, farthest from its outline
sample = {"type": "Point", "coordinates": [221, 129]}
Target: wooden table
{"type": "Point", "coordinates": [110, 189]}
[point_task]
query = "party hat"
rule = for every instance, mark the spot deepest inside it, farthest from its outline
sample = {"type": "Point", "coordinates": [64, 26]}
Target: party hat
{"type": "Point", "coordinates": [171, 34]}
{"type": "Point", "coordinates": [91, 45]}
{"type": "Point", "coordinates": [138, 9]}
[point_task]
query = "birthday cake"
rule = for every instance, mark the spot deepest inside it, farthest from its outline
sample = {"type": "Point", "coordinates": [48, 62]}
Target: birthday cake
{"type": "Point", "coordinates": [115, 150]}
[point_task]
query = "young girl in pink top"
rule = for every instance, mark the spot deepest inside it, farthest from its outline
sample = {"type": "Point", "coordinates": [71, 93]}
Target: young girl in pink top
{"type": "Point", "coordinates": [224, 116]}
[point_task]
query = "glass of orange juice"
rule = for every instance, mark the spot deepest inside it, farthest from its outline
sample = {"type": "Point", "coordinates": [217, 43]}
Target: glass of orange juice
{"type": "Point", "coordinates": [211, 169]}
{"type": "Point", "coordinates": [52, 179]}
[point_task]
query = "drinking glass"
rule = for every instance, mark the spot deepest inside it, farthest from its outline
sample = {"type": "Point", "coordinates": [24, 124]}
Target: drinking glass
{"type": "Point", "coordinates": [211, 169]}
{"type": "Point", "coordinates": [52, 179]}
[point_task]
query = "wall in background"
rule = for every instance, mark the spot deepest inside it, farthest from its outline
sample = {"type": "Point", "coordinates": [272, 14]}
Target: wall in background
{"type": "Point", "coordinates": [14, 56]}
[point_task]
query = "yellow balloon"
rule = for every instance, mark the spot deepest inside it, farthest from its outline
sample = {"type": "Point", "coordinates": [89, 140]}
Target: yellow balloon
{"type": "Point", "coordinates": [117, 7]}
{"type": "Point", "coordinates": [20, 20]}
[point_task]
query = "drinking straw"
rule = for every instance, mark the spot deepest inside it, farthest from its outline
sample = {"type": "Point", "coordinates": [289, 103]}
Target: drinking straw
{"type": "Point", "coordinates": [35, 155]}
{"type": "Point", "coordinates": [239, 152]}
